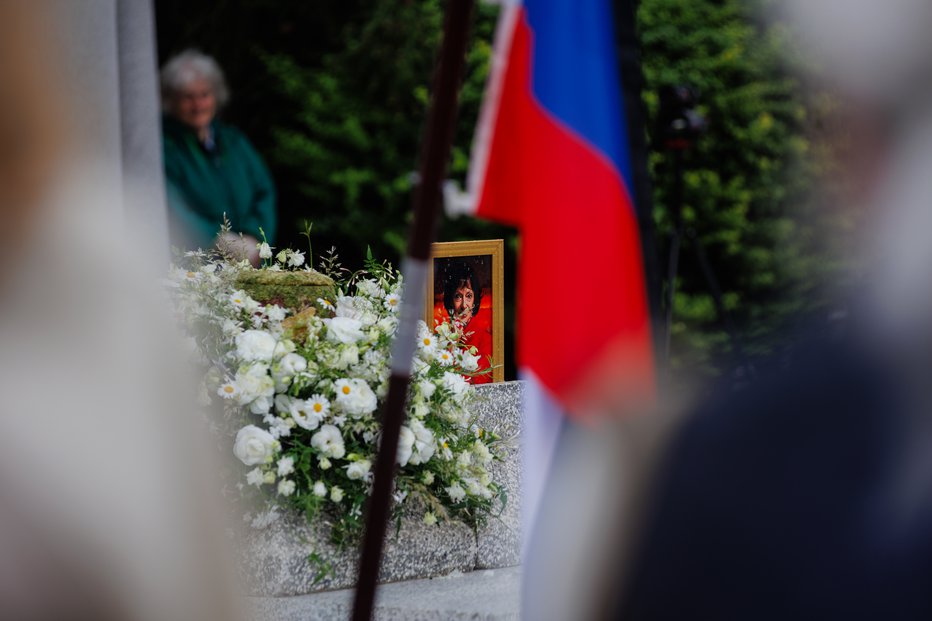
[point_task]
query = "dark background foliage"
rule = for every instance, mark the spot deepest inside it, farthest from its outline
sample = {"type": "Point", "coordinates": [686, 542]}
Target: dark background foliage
{"type": "Point", "coordinates": [334, 93]}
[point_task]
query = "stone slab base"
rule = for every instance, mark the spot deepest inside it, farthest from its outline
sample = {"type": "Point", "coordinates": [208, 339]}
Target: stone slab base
{"type": "Point", "coordinates": [487, 595]}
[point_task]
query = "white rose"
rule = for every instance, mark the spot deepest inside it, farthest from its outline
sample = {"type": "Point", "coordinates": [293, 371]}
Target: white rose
{"type": "Point", "coordinates": [254, 381]}
{"type": "Point", "coordinates": [329, 442]}
{"type": "Point", "coordinates": [320, 490]}
{"type": "Point", "coordinates": [405, 446]}
{"type": "Point", "coordinates": [255, 345]}
{"type": "Point", "coordinates": [261, 405]}
{"type": "Point", "coordinates": [358, 469]}
{"type": "Point", "coordinates": [336, 494]}
{"type": "Point", "coordinates": [344, 330]}
{"type": "Point", "coordinates": [354, 397]}
{"type": "Point", "coordinates": [254, 446]}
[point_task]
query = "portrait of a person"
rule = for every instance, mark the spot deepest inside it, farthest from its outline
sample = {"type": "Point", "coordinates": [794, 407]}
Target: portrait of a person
{"type": "Point", "coordinates": [466, 304]}
{"type": "Point", "coordinates": [211, 168]}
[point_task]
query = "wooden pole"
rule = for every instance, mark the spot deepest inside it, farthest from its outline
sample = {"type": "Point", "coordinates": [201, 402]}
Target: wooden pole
{"type": "Point", "coordinates": [427, 201]}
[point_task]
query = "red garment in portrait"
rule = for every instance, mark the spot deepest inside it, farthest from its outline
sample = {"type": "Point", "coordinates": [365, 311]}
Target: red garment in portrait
{"type": "Point", "coordinates": [478, 334]}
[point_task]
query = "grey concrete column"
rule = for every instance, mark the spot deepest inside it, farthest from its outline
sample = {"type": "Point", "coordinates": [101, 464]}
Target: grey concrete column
{"type": "Point", "coordinates": [140, 120]}
{"type": "Point", "coordinates": [108, 47]}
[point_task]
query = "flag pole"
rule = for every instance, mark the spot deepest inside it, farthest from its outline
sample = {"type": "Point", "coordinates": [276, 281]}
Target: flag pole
{"type": "Point", "coordinates": [435, 152]}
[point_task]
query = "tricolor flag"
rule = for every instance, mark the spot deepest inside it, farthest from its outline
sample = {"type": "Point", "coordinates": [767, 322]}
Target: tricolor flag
{"type": "Point", "coordinates": [551, 157]}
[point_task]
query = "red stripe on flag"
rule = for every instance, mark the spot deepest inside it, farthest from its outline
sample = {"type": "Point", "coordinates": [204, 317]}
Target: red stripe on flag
{"type": "Point", "coordinates": [583, 320]}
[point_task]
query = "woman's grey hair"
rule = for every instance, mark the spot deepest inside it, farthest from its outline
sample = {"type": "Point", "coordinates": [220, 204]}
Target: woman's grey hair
{"type": "Point", "coordinates": [186, 67]}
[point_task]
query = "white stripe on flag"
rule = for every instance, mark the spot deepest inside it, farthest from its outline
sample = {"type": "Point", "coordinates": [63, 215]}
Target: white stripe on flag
{"type": "Point", "coordinates": [543, 419]}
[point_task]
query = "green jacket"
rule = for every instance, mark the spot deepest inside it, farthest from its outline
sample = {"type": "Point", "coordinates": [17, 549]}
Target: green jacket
{"type": "Point", "coordinates": [203, 185]}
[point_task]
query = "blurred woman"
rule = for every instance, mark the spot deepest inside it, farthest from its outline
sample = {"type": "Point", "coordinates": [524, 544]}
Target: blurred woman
{"type": "Point", "coordinates": [211, 168]}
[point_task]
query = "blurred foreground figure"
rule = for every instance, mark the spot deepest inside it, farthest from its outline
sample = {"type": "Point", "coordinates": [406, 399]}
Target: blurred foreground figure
{"type": "Point", "coordinates": [102, 510]}
{"type": "Point", "coordinates": [211, 168]}
{"type": "Point", "coordinates": [808, 495]}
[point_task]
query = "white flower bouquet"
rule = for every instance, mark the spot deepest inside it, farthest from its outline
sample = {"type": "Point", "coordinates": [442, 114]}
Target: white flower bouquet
{"type": "Point", "coordinates": [301, 389]}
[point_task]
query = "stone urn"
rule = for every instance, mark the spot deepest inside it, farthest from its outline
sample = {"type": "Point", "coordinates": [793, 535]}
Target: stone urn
{"type": "Point", "coordinates": [294, 290]}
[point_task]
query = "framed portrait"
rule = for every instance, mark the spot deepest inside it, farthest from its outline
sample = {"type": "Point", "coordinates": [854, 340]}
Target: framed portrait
{"type": "Point", "coordinates": [465, 283]}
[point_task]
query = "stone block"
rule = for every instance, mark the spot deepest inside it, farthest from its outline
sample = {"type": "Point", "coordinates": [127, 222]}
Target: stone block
{"type": "Point", "coordinates": [499, 407]}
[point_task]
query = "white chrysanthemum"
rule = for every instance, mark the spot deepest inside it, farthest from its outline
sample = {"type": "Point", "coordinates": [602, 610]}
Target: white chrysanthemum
{"type": "Point", "coordinates": [319, 490]}
{"type": "Point", "coordinates": [255, 346]}
{"type": "Point", "coordinates": [469, 362]}
{"type": "Point", "coordinates": [427, 388]}
{"type": "Point", "coordinates": [278, 427]}
{"type": "Point", "coordinates": [230, 327]}
{"type": "Point", "coordinates": [358, 469]}
{"type": "Point", "coordinates": [455, 383]}
{"type": "Point", "coordinates": [405, 446]}
{"type": "Point", "coordinates": [228, 390]}
{"type": "Point", "coordinates": [456, 492]}
{"type": "Point", "coordinates": [296, 258]}
{"type": "Point", "coordinates": [285, 466]}
{"type": "Point", "coordinates": [482, 453]}
{"type": "Point", "coordinates": [424, 443]}
{"type": "Point", "coordinates": [255, 477]}
{"type": "Point", "coordinates": [329, 442]}
{"type": "Point", "coordinates": [344, 330]}
{"type": "Point", "coordinates": [275, 312]}
{"type": "Point", "coordinates": [370, 288]}
{"type": "Point", "coordinates": [354, 397]}
{"type": "Point", "coordinates": [286, 487]}
{"type": "Point", "coordinates": [326, 304]}
{"type": "Point", "coordinates": [265, 251]}
{"type": "Point", "coordinates": [392, 302]}
{"type": "Point", "coordinates": [254, 446]}
{"type": "Point", "coordinates": [349, 356]}
{"type": "Point", "coordinates": [444, 357]}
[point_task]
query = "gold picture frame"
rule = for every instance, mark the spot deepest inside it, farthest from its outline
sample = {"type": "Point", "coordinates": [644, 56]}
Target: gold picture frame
{"type": "Point", "coordinates": [485, 260]}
